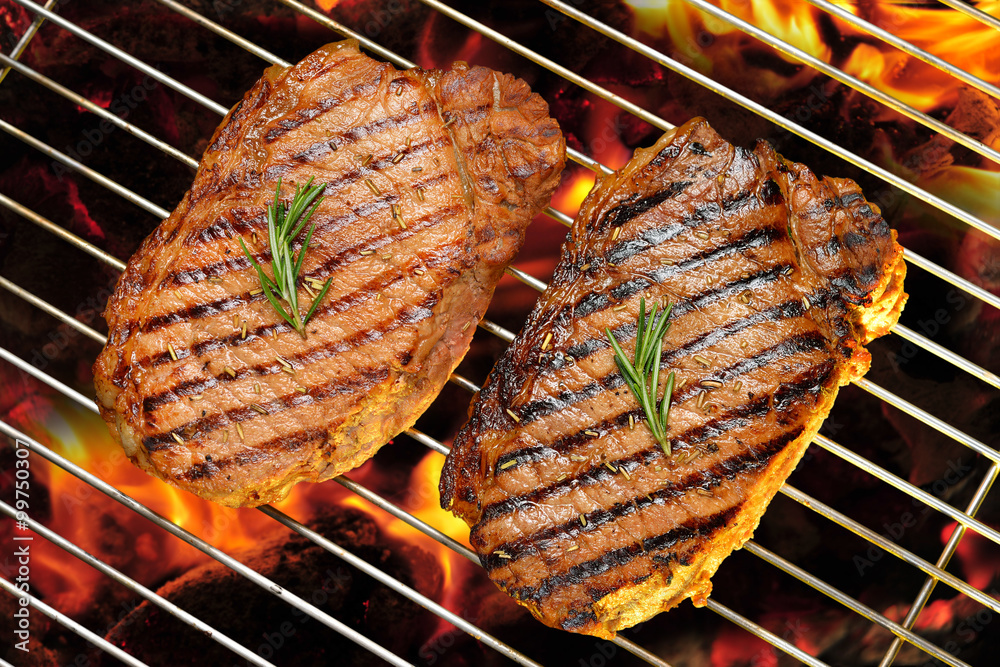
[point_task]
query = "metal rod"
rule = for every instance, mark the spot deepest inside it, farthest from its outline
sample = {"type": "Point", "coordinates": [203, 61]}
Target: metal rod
{"type": "Point", "coordinates": [778, 119]}
{"type": "Point", "coordinates": [69, 623]}
{"type": "Point", "coordinates": [946, 354]}
{"type": "Point", "coordinates": [762, 633]}
{"type": "Point", "coordinates": [550, 65]}
{"type": "Point", "coordinates": [466, 552]}
{"type": "Point", "coordinates": [922, 415]}
{"type": "Point", "coordinates": [973, 12]}
{"type": "Point", "coordinates": [66, 390]}
{"type": "Point", "coordinates": [62, 233]}
{"type": "Point", "coordinates": [425, 439]}
{"type": "Point", "coordinates": [527, 279]}
{"type": "Point", "coordinates": [344, 31]}
{"type": "Point", "coordinates": [396, 585]}
{"type": "Point", "coordinates": [136, 587]}
{"type": "Point", "coordinates": [848, 80]}
{"type": "Point", "coordinates": [951, 277]}
{"type": "Point", "coordinates": [242, 42]}
{"type": "Point", "coordinates": [83, 169]}
{"type": "Point", "coordinates": [497, 330]}
{"type": "Point", "coordinates": [51, 310]}
{"type": "Point", "coordinates": [203, 546]}
{"type": "Point", "coordinates": [28, 35]}
{"type": "Point", "coordinates": [906, 47]}
{"type": "Point", "coordinates": [858, 607]}
{"type": "Point", "coordinates": [404, 516]}
{"type": "Point", "coordinates": [104, 114]}
{"type": "Point", "coordinates": [942, 562]}
{"type": "Point", "coordinates": [153, 73]}
{"type": "Point", "coordinates": [907, 488]}
{"type": "Point", "coordinates": [934, 571]}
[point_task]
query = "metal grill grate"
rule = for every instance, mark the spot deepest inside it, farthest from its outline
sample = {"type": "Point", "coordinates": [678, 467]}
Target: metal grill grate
{"type": "Point", "coordinates": [935, 572]}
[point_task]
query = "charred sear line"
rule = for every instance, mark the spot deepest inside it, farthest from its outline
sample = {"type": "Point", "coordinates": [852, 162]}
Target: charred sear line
{"type": "Point", "coordinates": [709, 296]}
{"type": "Point", "coordinates": [409, 315]}
{"type": "Point", "coordinates": [700, 527]}
{"type": "Point", "coordinates": [362, 380]}
{"type": "Point", "coordinates": [636, 206]}
{"type": "Point", "coordinates": [246, 220]}
{"type": "Point", "coordinates": [304, 115]}
{"type": "Point", "coordinates": [753, 458]}
{"type": "Point", "coordinates": [812, 381]}
{"type": "Point", "coordinates": [282, 444]}
{"type": "Point", "coordinates": [755, 238]}
{"type": "Point", "coordinates": [338, 261]}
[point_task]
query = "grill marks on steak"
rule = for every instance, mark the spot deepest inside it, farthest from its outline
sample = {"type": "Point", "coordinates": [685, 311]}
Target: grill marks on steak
{"type": "Point", "coordinates": [777, 279]}
{"type": "Point", "coordinates": [430, 180]}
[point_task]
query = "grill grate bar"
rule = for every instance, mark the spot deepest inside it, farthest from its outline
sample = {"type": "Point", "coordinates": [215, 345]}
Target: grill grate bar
{"type": "Point", "coordinates": [973, 12]}
{"type": "Point", "coordinates": [404, 516]}
{"type": "Point", "coordinates": [946, 354]}
{"type": "Point", "coordinates": [136, 587]}
{"type": "Point", "coordinates": [778, 119]}
{"type": "Point", "coordinates": [922, 415]}
{"type": "Point", "coordinates": [340, 28]}
{"type": "Point", "coordinates": [51, 310]}
{"type": "Point", "coordinates": [550, 65]}
{"type": "Point", "coordinates": [907, 488]}
{"type": "Point", "coordinates": [69, 623]}
{"type": "Point", "coordinates": [67, 236]}
{"type": "Point", "coordinates": [848, 80]}
{"type": "Point", "coordinates": [946, 554]}
{"type": "Point", "coordinates": [104, 114]}
{"type": "Point", "coordinates": [934, 571]}
{"type": "Point", "coordinates": [202, 545]}
{"type": "Point", "coordinates": [906, 47]}
{"type": "Point", "coordinates": [953, 278]}
{"type": "Point", "coordinates": [763, 633]}
{"type": "Point", "coordinates": [152, 72]}
{"type": "Point", "coordinates": [28, 35]}
{"type": "Point", "coordinates": [852, 604]}
{"type": "Point", "coordinates": [420, 437]}
{"type": "Point", "coordinates": [431, 532]}
{"type": "Point", "coordinates": [396, 585]}
{"type": "Point", "coordinates": [83, 169]}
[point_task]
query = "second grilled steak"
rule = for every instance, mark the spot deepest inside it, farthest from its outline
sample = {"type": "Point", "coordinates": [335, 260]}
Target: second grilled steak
{"type": "Point", "coordinates": [430, 179]}
{"type": "Point", "coordinates": [777, 280]}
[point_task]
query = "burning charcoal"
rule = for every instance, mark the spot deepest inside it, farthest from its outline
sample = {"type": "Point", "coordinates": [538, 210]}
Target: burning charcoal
{"type": "Point", "coordinates": [263, 622]}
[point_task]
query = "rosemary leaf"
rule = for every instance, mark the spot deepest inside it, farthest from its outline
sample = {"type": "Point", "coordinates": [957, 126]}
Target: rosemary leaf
{"type": "Point", "coordinates": [284, 223]}
{"type": "Point", "coordinates": [643, 374]}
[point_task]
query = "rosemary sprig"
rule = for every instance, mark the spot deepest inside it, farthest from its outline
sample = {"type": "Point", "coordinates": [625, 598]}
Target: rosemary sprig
{"type": "Point", "coordinates": [642, 376]}
{"type": "Point", "coordinates": [284, 224]}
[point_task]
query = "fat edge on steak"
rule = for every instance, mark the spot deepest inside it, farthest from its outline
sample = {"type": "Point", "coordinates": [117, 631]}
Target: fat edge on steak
{"type": "Point", "coordinates": [778, 279]}
{"type": "Point", "coordinates": [430, 178]}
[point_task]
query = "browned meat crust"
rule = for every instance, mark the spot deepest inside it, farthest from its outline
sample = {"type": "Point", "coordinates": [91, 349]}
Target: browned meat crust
{"type": "Point", "coordinates": [777, 278]}
{"type": "Point", "coordinates": [431, 179]}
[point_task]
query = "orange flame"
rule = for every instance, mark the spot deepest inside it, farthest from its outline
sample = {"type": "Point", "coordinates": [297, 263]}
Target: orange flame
{"type": "Point", "coordinates": [712, 45]}
{"type": "Point", "coordinates": [127, 541]}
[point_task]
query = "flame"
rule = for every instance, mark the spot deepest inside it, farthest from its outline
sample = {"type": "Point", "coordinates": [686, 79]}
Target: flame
{"type": "Point", "coordinates": [714, 46]}
{"type": "Point", "coordinates": [327, 5]}
{"type": "Point", "coordinates": [569, 198]}
{"type": "Point", "coordinates": [421, 500]}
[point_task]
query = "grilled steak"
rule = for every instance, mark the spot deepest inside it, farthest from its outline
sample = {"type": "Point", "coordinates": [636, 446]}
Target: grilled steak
{"type": "Point", "coordinates": [430, 180]}
{"type": "Point", "coordinates": [777, 280]}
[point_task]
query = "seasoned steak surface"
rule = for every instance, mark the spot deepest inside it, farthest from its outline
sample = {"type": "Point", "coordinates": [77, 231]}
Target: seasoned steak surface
{"type": "Point", "coordinates": [777, 280]}
{"type": "Point", "coordinates": [430, 180]}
